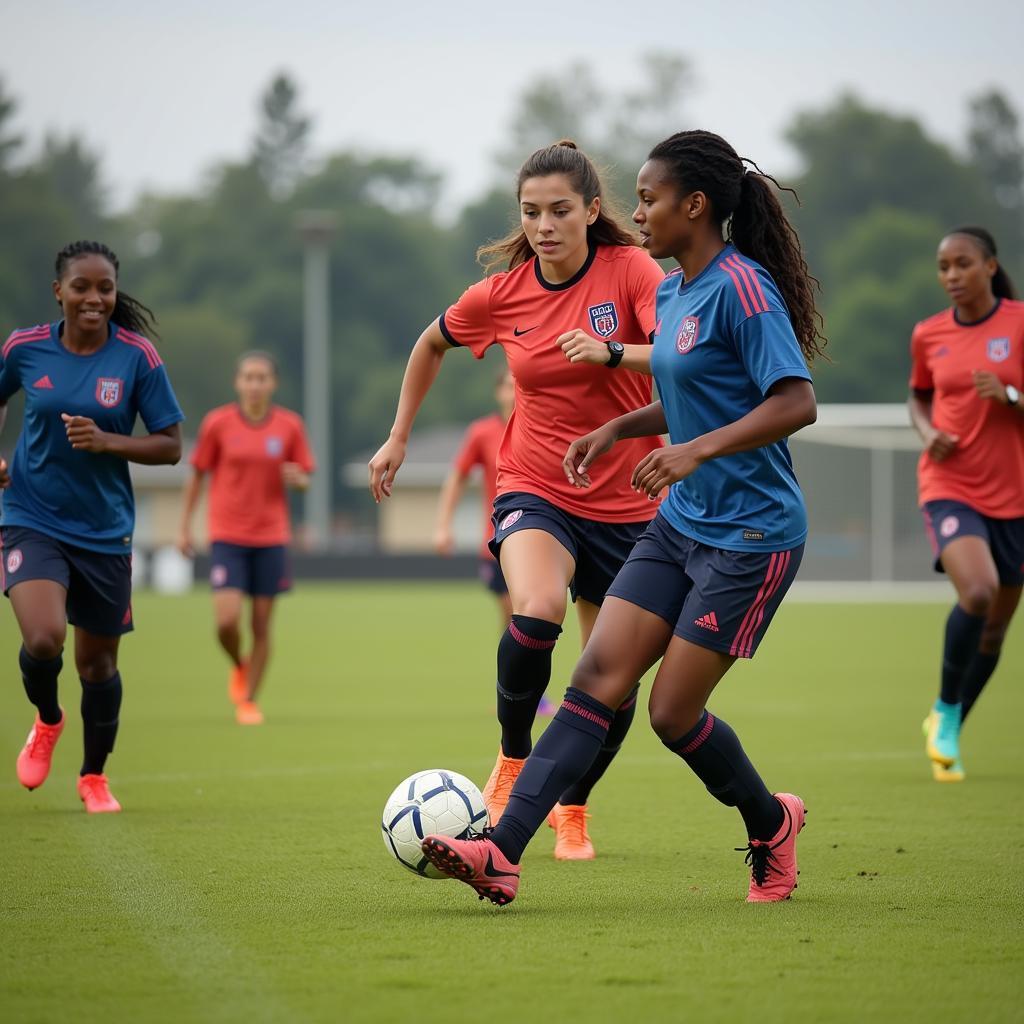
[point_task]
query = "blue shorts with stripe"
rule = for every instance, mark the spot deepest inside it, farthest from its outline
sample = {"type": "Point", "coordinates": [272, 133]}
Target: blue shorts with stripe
{"type": "Point", "coordinates": [946, 521]}
{"type": "Point", "coordinates": [598, 548]}
{"type": "Point", "coordinates": [722, 600]}
{"type": "Point", "coordinates": [98, 585]}
{"type": "Point", "coordinates": [256, 571]}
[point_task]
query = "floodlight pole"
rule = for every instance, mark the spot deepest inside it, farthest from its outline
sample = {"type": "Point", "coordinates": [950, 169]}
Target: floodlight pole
{"type": "Point", "coordinates": [317, 228]}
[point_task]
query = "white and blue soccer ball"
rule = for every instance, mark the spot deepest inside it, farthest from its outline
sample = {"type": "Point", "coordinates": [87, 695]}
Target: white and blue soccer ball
{"type": "Point", "coordinates": [433, 802]}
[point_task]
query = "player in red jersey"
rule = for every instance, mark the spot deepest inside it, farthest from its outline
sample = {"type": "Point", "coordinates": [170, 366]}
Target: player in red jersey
{"type": "Point", "coordinates": [479, 448]}
{"type": "Point", "coordinates": [254, 452]}
{"type": "Point", "coordinates": [966, 380]}
{"type": "Point", "coordinates": [574, 313]}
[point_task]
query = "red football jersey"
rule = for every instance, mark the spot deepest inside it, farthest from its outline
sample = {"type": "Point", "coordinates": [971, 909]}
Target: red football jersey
{"type": "Point", "coordinates": [479, 447]}
{"type": "Point", "coordinates": [612, 298]}
{"type": "Point", "coordinates": [248, 502]}
{"type": "Point", "coordinates": [986, 471]}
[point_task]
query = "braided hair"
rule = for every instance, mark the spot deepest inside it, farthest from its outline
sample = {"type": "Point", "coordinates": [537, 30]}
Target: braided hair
{"type": "Point", "coordinates": [1002, 286]}
{"type": "Point", "coordinates": [700, 161]}
{"type": "Point", "coordinates": [563, 157]}
{"type": "Point", "coordinates": [128, 312]}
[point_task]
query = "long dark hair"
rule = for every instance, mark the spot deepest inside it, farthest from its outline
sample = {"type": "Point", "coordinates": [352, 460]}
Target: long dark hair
{"type": "Point", "coordinates": [1002, 286]}
{"type": "Point", "coordinates": [128, 312]}
{"type": "Point", "coordinates": [562, 158]}
{"type": "Point", "coordinates": [701, 161]}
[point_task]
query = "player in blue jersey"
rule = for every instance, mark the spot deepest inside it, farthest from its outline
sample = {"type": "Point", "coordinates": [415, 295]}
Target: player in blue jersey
{"type": "Point", "coordinates": [737, 329]}
{"type": "Point", "coordinates": [68, 507]}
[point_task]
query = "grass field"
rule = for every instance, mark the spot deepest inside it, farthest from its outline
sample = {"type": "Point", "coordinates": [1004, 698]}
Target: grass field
{"type": "Point", "coordinates": [247, 881]}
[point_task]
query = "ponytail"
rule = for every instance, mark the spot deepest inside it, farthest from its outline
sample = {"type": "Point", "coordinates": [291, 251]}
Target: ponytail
{"type": "Point", "coordinates": [700, 161]}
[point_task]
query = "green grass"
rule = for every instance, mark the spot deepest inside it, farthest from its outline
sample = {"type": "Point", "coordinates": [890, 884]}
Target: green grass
{"type": "Point", "coordinates": [247, 881]}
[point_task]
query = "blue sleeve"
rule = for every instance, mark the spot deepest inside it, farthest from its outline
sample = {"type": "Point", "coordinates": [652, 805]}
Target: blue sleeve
{"type": "Point", "coordinates": [10, 382]}
{"type": "Point", "coordinates": [768, 349]}
{"type": "Point", "coordinates": [155, 400]}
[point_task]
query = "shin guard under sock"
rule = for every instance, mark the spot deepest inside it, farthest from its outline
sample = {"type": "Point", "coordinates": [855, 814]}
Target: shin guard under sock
{"type": "Point", "coordinates": [564, 752]}
{"type": "Point", "coordinates": [524, 669]}
{"type": "Point", "coordinates": [40, 679]}
{"type": "Point", "coordinates": [578, 794]}
{"type": "Point", "coordinates": [101, 705]}
{"type": "Point", "coordinates": [978, 673]}
{"type": "Point", "coordinates": [715, 755]}
{"type": "Point", "coordinates": [963, 632]}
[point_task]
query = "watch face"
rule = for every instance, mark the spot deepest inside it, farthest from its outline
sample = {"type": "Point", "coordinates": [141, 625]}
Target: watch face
{"type": "Point", "coordinates": [616, 346]}
{"type": "Point", "coordinates": [1012, 394]}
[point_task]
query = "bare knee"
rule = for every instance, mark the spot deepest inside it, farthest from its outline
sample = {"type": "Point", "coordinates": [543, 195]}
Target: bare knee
{"type": "Point", "coordinates": [97, 667]}
{"type": "Point", "coordinates": [976, 598]}
{"type": "Point", "coordinates": [227, 629]}
{"type": "Point", "coordinates": [671, 721]}
{"type": "Point", "coordinates": [44, 643]}
{"type": "Point", "coordinates": [543, 606]}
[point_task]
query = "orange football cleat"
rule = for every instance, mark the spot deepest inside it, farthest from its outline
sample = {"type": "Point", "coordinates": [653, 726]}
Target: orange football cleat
{"type": "Point", "coordinates": [35, 757]}
{"type": "Point", "coordinates": [248, 713]}
{"type": "Point", "coordinates": [773, 868]}
{"type": "Point", "coordinates": [499, 786]}
{"type": "Point", "coordinates": [238, 683]}
{"type": "Point", "coordinates": [571, 839]}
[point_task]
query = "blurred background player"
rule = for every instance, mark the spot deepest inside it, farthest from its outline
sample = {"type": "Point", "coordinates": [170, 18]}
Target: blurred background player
{"type": "Point", "coordinates": [705, 580]}
{"type": "Point", "coordinates": [479, 448]}
{"type": "Point", "coordinates": [68, 505]}
{"type": "Point", "coordinates": [254, 451]}
{"type": "Point", "coordinates": [966, 378]}
{"type": "Point", "coordinates": [574, 313]}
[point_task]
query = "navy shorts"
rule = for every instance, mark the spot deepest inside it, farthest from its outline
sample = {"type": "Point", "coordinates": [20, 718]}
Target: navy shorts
{"type": "Point", "coordinates": [598, 549]}
{"type": "Point", "coordinates": [945, 521]}
{"type": "Point", "coordinates": [723, 600]}
{"type": "Point", "coordinates": [492, 577]}
{"type": "Point", "coordinates": [99, 585]}
{"type": "Point", "coordinates": [258, 572]}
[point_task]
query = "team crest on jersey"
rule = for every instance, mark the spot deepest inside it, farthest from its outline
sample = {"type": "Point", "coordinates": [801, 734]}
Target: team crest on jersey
{"type": "Point", "coordinates": [14, 560]}
{"type": "Point", "coordinates": [998, 349]}
{"type": "Point", "coordinates": [604, 319]}
{"type": "Point", "coordinates": [511, 519]}
{"type": "Point", "coordinates": [687, 336]}
{"type": "Point", "coordinates": [275, 447]}
{"type": "Point", "coordinates": [109, 391]}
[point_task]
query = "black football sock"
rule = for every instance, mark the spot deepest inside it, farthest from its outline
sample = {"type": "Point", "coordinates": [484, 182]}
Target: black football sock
{"type": "Point", "coordinates": [566, 749]}
{"type": "Point", "coordinates": [40, 679]}
{"type": "Point", "coordinates": [578, 794]}
{"type": "Point", "coordinates": [963, 632]}
{"type": "Point", "coordinates": [524, 669]}
{"type": "Point", "coordinates": [714, 753]}
{"type": "Point", "coordinates": [101, 704]}
{"type": "Point", "coordinates": [978, 673]}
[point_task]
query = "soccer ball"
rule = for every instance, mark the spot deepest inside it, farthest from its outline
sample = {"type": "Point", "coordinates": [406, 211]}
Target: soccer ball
{"type": "Point", "coordinates": [434, 802]}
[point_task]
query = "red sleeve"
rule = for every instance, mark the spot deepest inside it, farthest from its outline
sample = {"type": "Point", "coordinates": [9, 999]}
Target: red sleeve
{"type": "Point", "coordinates": [298, 450]}
{"type": "Point", "coordinates": [206, 453]}
{"type": "Point", "coordinates": [920, 371]}
{"type": "Point", "coordinates": [470, 452]}
{"type": "Point", "coordinates": [468, 322]}
{"type": "Point", "coordinates": [642, 281]}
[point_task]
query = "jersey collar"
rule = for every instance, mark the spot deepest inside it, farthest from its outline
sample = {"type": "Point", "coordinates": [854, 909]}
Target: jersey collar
{"type": "Point", "coordinates": [575, 279]}
{"type": "Point", "coordinates": [974, 323]}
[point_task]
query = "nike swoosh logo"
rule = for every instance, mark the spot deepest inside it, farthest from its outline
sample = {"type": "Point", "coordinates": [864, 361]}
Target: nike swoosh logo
{"type": "Point", "coordinates": [490, 871]}
{"type": "Point", "coordinates": [518, 333]}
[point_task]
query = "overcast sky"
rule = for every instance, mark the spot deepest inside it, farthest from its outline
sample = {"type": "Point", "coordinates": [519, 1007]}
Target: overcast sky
{"type": "Point", "coordinates": [165, 90]}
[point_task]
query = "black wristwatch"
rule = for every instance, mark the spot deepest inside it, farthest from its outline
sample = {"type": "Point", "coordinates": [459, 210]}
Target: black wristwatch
{"type": "Point", "coordinates": [1012, 395]}
{"type": "Point", "coordinates": [616, 350]}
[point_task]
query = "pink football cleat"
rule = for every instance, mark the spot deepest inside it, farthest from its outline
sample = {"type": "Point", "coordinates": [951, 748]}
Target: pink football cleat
{"type": "Point", "coordinates": [477, 862]}
{"type": "Point", "coordinates": [95, 794]}
{"type": "Point", "coordinates": [35, 757]}
{"type": "Point", "coordinates": [773, 868]}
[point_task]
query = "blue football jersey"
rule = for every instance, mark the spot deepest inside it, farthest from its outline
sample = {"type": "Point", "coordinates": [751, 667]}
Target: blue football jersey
{"type": "Point", "coordinates": [83, 498]}
{"type": "Point", "coordinates": [723, 340]}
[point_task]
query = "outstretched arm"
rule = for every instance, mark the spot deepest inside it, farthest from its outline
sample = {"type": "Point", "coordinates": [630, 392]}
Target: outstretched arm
{"type": "Point", "coordinates": [420, 372]}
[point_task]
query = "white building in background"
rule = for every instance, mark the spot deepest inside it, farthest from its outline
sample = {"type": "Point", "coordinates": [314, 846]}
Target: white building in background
{"type": "Point", "coordinates": [856, 465]}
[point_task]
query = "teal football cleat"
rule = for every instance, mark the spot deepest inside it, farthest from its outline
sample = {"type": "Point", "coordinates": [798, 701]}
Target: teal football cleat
{"type": "Point", "coordinates": [942, 741]}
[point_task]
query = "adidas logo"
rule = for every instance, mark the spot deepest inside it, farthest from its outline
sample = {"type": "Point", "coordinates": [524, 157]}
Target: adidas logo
{"type": "Point", "coordinates": [44, 382]}
{"type": "Point", "coordinates": [709, 621]}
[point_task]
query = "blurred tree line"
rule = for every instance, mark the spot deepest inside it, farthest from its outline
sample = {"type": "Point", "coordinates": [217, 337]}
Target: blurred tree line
{"type": "Point", "coordinates": [222, 267]}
